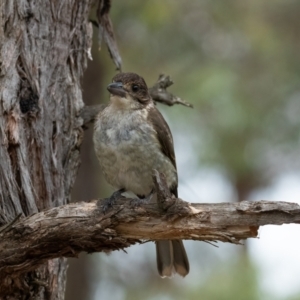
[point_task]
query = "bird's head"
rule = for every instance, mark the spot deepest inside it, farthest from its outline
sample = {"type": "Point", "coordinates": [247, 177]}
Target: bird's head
{"type": "Point", "coordinates": [129, 91]}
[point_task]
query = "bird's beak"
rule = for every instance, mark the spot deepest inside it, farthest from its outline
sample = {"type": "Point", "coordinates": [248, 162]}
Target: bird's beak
{"type": "Point", "coordinates": [116, 88]}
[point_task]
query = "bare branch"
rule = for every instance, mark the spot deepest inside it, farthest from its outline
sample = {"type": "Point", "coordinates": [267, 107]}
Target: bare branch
{"type": "Point", "coordinates": [73, 228]}
{"type": "Point", "coordinates": [89, 113]}
{"type": "Point", "coordinates": [160, 94]}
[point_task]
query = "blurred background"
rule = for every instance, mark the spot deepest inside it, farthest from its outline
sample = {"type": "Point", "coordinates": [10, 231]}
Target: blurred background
{"type": "Point", "coordinates": [238, 63]}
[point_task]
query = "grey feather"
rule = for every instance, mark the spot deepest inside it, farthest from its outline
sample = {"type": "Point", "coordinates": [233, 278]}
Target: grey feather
{"type": "Point", "coordinates": [181, 262]}
{"type": "Point", "coordinates": [171, 258]}
{"type": "Point", "coordinates": [164, 258]}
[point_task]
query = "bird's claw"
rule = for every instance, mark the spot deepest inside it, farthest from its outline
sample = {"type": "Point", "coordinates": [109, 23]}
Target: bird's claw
{"type": "Point", "coordinates": [108, 203]}
{"type": "Point", "coordinates": [140, 201]}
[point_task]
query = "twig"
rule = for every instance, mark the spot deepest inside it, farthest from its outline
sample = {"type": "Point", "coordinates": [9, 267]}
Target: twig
{"type": "Point", "coordinates": [160, 94]}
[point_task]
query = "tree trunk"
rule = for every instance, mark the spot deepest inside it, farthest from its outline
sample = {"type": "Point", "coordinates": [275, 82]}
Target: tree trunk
{"type": "Point", "coordinates": [44, 49]}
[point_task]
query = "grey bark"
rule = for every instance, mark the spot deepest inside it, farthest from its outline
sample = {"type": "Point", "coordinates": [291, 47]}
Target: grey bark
{"type": "Point", "coordinates": [70, 229]}
{"type": "Point", "coordinates": [43, 53]}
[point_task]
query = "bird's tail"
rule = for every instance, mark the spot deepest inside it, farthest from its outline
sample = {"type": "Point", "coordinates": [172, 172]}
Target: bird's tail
{"type": "Point", "coordinates": [171, 258]}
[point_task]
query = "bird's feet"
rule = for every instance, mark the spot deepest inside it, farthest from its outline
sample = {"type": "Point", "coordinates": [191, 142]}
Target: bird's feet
{"type": "Point", "coordinates": [142, 199]}
{"type": "Point", "coordinates": [108, 203]}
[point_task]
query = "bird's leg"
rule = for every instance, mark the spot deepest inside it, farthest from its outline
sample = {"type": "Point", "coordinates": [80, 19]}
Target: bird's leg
{"type": "Point", "coordinates": [142, 199]}
{"type": "Point", "coordinates": [107, 203]}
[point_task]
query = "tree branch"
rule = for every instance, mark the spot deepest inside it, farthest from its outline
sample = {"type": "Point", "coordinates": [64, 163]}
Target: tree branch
{"type": "Point", "coordinates": [158, 93]}
{"type": "Point", "coordinates": [73, 228]}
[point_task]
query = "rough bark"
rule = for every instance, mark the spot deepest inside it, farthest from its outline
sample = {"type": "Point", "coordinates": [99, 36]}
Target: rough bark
{"type": "Point", "coordinates": [44, 50]}
{"type": "Point", "coordinates": [65, 231]}
{"type": "Point", "coordinates": [70, 229]}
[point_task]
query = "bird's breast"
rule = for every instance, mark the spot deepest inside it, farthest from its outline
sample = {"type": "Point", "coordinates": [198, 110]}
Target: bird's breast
{"type": "Point", "coordinates": [128, 151]}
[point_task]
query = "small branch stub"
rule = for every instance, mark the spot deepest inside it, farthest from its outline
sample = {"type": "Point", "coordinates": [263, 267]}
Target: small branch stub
{"type": "Point", "coordinates": [160, 94]}
{"type": "Point", "coordinates": [171, 206]}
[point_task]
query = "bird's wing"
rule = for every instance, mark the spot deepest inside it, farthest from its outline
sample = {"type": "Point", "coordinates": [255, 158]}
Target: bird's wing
{"type": "Point", "coordinates": [164, 137]}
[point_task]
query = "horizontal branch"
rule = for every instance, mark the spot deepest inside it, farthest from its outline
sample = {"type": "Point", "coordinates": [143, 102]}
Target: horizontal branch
{"type": "Point", "coordinates": [158, 93]}
{"type": "Point", "coordinates": [73, 228]}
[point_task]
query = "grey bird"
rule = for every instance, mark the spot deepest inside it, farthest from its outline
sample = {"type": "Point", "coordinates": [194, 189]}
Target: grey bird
{"type": "Point", "coordinates": [131, 138]}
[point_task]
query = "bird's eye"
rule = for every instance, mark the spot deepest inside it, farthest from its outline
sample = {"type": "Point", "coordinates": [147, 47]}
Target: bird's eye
{"type": "Point", "coordinates": [135, 88]}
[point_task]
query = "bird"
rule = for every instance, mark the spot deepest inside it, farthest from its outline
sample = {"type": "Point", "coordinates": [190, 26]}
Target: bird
{"type": "Point", "coordinates": [131, 138]}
